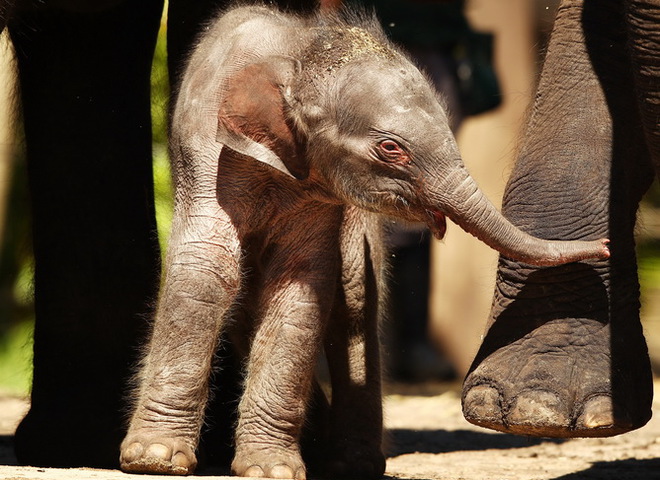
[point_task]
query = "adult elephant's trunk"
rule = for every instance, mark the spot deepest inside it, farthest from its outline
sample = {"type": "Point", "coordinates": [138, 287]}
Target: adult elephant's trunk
{"type": "Point", "coordinates": [458, 196]}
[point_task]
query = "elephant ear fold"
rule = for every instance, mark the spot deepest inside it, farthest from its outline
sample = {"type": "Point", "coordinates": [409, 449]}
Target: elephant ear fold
{"type": "Point", "coordinates": [252, 119]}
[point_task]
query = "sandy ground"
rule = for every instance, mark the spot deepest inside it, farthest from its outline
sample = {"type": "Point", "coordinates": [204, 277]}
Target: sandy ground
{"type": "Point", "coordinates": [429, 439]}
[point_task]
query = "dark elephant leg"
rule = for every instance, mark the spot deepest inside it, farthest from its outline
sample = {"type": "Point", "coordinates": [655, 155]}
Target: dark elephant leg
{"type": "Point", "coordinates": [6, 9]}
{"type": "Point", "coordinates": [643, 18]}
{"type": "Point", "coordinates": [564, 354]}
{"type": "Point", "coordinates": [84, 79]}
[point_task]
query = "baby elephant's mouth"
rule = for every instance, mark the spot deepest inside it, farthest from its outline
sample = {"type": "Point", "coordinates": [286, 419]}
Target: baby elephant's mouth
{"type": "Point", "coordinates": [437, 223]}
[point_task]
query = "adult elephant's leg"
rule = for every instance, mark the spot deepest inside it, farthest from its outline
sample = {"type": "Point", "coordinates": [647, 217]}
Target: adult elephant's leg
{"type": "Point", "coordinates": [6, 9]}
{"type": "Point", "coordinates": [564, 354]}
{"type": "Point", "coordinates": [643, 18]}
{"type": "Point", "coordinates": [84, 79]}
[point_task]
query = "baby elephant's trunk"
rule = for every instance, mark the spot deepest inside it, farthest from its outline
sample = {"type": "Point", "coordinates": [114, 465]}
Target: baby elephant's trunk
{"type": "Point", "coordinates": [461, 199]}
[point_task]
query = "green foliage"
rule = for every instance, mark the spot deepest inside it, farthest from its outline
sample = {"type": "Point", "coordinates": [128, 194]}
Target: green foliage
{"type": "Point", "coordinates": [649, 265]}
{"type": "Point", "coordinates": [163, 194]}
{"type": "Point", "coordinates": [160, 88]}
{"type": "Point", "coordinates": [16, 359]}
{"type": "Point", "coordinates": [648, 248]}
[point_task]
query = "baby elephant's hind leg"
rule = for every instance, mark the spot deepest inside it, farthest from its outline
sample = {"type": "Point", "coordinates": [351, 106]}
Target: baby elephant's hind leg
{"type": "Point", "coordinates": [294, 307]}
{"type": "Point", "coordinates": [352, 349]}
{"type": "Point", "coordinates": [202, 279]}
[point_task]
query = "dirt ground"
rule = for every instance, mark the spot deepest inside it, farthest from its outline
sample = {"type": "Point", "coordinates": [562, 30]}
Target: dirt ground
{"type": "Point", "coordinates": [430, 440]}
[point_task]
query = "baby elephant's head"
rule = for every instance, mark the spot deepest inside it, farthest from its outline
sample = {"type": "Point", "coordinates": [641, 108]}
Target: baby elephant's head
{"type": "Point", "coordinates": [358, 118]}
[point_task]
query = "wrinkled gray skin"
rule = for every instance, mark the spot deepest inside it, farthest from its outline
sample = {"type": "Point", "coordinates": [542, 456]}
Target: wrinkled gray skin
{"type": "Point", "coordinates": [565, 355]}
{"type": "Point", "coordinates": [287, 136]}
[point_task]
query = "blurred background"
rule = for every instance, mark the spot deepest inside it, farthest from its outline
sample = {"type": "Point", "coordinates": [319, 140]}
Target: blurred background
{"type": "Point", "coordinates": [461, 269]}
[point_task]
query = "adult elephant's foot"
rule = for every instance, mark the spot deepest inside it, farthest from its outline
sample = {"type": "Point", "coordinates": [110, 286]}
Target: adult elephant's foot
{"type": "Point", "coordinates": [154, 453]}
{"type": "Point", "coordinates": [269, 462]}
{"type": "Point", "coordinates": [70, 429]}
{"type": "Point", "coordinates": [542, 375]}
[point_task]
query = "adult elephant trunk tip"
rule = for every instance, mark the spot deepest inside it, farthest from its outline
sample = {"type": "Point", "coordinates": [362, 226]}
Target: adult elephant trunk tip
{"type": "Point", "coordinates": [463, 202]}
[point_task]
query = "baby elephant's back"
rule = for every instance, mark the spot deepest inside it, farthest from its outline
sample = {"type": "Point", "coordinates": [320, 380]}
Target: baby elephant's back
{"type": "Point", "coordinates": [245, 35]}
{"type": "Point", "coordinates": [239, 37]}
{"type": "Point", "coordinates": [258, 30]}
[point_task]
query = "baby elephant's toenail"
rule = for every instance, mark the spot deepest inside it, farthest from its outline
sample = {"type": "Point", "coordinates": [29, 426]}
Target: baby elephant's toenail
{"type": "Point", "coordinates": [281, 471]}
{"type": "Point", "coordinates": [160, 451]}
{"type": "Point", "coordinates": [254, 471]}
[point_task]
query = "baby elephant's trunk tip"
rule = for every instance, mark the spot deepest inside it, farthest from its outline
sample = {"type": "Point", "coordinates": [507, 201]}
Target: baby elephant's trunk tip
{"type": "Point", "coordinates": [562, 252]}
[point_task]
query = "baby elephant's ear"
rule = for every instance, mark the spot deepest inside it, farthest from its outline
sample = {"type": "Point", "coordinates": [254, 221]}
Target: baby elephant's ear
{"type": "Point", "coordinates": [252, 118]}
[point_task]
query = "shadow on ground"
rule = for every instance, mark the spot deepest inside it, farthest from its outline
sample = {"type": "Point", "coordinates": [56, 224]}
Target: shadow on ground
{"type": "Point", "coordinates": [400, 442]}
{"type": "Point", "coordinates": [7, 450]}
{"type": "Point", "coordinates": [631, 469]}
{"type": "Point", "coordinates": [403, 441]}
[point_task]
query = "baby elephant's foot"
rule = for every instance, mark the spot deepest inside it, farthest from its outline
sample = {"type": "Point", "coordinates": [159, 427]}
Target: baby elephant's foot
{"type": "Point", "coordinates": [564, 379]}
{"type": "Point", "coordinates": [152, 453]}
{"type": "Point", "coordinates": [253, 461]}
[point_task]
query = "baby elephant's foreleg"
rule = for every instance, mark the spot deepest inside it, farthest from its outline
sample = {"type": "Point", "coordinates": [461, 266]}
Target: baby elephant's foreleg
{"type": "Point", "coordinates": [202, 279]}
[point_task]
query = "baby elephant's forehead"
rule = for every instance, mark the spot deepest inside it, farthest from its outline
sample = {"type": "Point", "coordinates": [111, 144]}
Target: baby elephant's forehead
{"type": "Point", "coordinates": [388, 86]}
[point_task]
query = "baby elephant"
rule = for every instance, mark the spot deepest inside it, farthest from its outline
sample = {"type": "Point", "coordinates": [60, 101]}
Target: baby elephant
{"type": "Point", "coordinates": [289, 136]}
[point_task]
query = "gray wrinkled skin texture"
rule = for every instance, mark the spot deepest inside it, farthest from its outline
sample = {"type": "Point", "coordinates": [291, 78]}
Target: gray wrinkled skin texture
{"type": "Point", "coordinates": [565, 354]}
{"type": "Point", "coordinates": [289, 135]}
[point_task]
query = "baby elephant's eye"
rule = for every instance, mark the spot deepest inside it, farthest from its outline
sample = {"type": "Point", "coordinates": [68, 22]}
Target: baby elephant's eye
{"type": "Point", "coordinates": [391, 152]}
